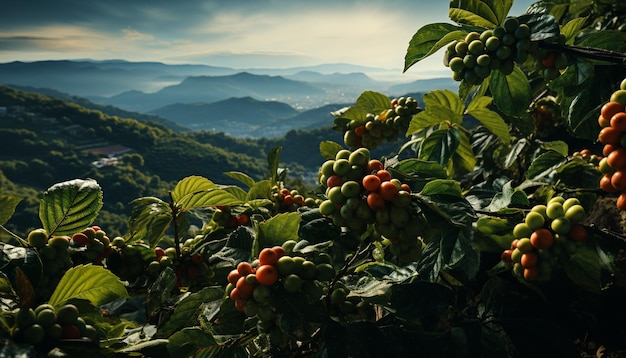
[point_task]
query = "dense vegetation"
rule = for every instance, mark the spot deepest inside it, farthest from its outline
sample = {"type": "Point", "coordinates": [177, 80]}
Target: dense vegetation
{"type": "Point", "coordinates": [486, 235]}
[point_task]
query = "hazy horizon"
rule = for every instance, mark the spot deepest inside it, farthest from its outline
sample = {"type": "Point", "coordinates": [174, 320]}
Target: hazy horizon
{"type": "Point", "coordinates": [245, 34]}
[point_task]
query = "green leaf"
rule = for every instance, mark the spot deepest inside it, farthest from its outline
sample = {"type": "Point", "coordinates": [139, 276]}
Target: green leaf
{"type": "Point", "coordinates": [509, 196]}
{"type": "Point", "coordinates": [493, 122]}
{"type": "Point", "coordinates": [429, 39]}
{"type": "Point", "coordinates": [542, 26]}
{"type": "Point", "coordinates": [89, 282]}
{"type": "Point", "coordinates": [583, 268]}
{"type": "Point", "coordinates": [516, 149]}
{"type": "Point", "coordinates": [244, 178]}
{"type": "Point", "coordinates": [329, 149]}
{"type": "Point", "coordinates": [188, 309]}
{"type": "Point", "coordinates": [8, 298]}
{"type": "Point", "coordinates": [544, 164]}
{"type": "Point", "coordinates": [8, 203]}
{"type": "Point", "coordinates": [191, 185]}
{"type": "Point", "coordinates": [478, 13]}
{"type": "Point", "coordinates": [373, 102]}
{"type": "Point", "coordinates": [442, 187]}
{"type": "Point", "coordinates": [149, 219]}
{"type": "Point", "coordinates": [445, 98]}
{"type": "Point", "coordinates": [429, 117]}
{"type": "Point", "coordinates": [463, 158]}
{"type": "Point", "coordinates": [558, 146]}
{"type": "Point", "coordinates": [422, 168]}
{"type": "Point", "coordinates": [227, 196]}
{"type": "Point", "coordinates": [278, 229]}
{"type": "Point", "coordinates": [514, 94]}
{"type": "Point", "coordinates": [187, 341]}
{"type": "Point", "coordinates": [70, 206]}
{"type": "Point", "coordinates": [612, 40]}
{"type": "Point", "coordinates": [260, 190]}
{"type": "Point", "coordinates": [572, 29]}
{"type": "Point", "coordinates": [440, 145]}
{"type": "Point", "coordinates": [578, 173]}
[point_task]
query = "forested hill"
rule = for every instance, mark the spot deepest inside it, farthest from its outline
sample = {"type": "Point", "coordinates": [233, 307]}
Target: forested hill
{"type": "Point", "coordinates": [44, 141]}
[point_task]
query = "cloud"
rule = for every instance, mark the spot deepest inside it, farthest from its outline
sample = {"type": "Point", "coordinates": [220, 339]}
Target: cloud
{"type": "Point", "coordinates": [134, 35]}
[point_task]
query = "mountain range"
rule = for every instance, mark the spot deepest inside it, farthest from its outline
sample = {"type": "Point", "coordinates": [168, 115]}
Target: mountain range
{"type": "Point", "coordinates": [238, 102]}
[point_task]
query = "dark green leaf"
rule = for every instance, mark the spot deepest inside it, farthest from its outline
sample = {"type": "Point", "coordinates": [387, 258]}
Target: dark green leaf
{"type": "Point", "coordinates": [89, 282]}
{"type": "Point", "coordinates": [515, 151]}
{"type": "Point", "coordinates": [583, 269]}
{"type": "Point", "coordinates": [578, 173]}
{"type": "Point", "coordinates": [421, 300]}
{"type": "Point", "coordinates": [149, 219]}
{"type": "Point", "coordinates": [428, 118]}
{"type": "Point", "coordinates": [422, 168]}
{"type": "Point", "coordinates": [188, 309]}
{"type": "Point", "coordinates": [542, 26]}
{"type": "Point", "coordinates": [440, 145]}
{"type": "Point", "coordinates": [442, 187]}
{"type": "Point", "coordinates": [544, 164]}
{"type": "Point", "coordinates": [612, 40]}
{"type": "Point", "coordinates": [514, 94]}
{"type": "Point", "coordinates": [8, 203]}
{"type": "Point", "coordinates": [464, 159]}
{"type": "Point", "coordinates": [278, 229]}
{"type": "Point", "coordinates": [187, 341]}
{"type": "Point", "coordinates": [508, 197]}
{"type": "Point", "coordinates": [492, 121]}
{"type": "Point", "coordinates": [70, 206]}
{"type": "Point", "coordinates": [572, 29]}
{"type": "Point", "coordinates": [428, 39]}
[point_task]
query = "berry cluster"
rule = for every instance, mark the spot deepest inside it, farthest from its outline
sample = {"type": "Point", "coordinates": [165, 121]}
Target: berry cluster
{"type": "Point", "coordinates": [612, 120]}
{"type": "Point", "coordinates": [224, 217]}
{"type": "Point", "coordinates": [90, 245]}
{"type": "Point", "coordinates": [549, 64]}
{"type": "Point", "coordinates": [473, 58]}
{"type": "Point", "coordinates": [277, 272]}
{"type": "Point", "coordinates": [349, 307]}
{"type": "Point", "coordinates": [374, 129]}
{"type": "Point", "coordinates": [47, 324]}
{"type": "Point", "coordinates": [360, 192]}
{"type": "Point", "coordinates": [549, 232]}
{"type": "Point", "coordinates": [286, 200]}
{"type": "Point", "coordinates": [127, 261]}
{"type": "Point", "coordinates": [55, 258]}
{"type": "Point", "coordinates": [190, 268]}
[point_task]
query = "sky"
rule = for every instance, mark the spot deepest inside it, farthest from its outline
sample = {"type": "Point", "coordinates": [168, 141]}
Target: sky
{"type": "Point", "coordinates": [231, 33]}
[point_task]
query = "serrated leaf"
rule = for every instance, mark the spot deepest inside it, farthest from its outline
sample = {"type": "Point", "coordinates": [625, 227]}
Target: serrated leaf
{"type": "Point", "coordinates": [329, 149]}
{"type": "Point", "coordinates": [8, 203]}
{"type": "Point", "coordinates": [70, 206]}
{"type": "Point", "coordinates": [427, 118]}
{"type": "Point", "coordinates": [493, 122]}
{"type": "Point", "coordinates": [278, 229]}
{"type": "Point", "coordinates": [429, 39]}
{"type": "Point", "coordinates": [373, 102]}
{"type": "Point", "coordinates": [190, 185]}
{"type": "Point", "coordinates": [514, 92]}
{"type": "Point", "coordinates": [89, 282]}
{"type": "Point", "coordinates": [243, 178]}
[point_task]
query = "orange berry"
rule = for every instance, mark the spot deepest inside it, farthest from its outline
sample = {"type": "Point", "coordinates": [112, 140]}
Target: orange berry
{"type": "Point", "coordinates": [542, 238]}
{"type": "Point", "coordinates": [267, 275]}
{"type": "Point", "coordinates": [529, 259]}
{"type": "Point", "coordinates": [371, 182]}
{"type": "Point", "coordinates": [610, 135]}
{"type": "Point", "coordinates": [609, 109]}
{"type": "Point", "coordinates": [384, 175]}
{"type": "Point", "coordinates": [605, 183]}
{"type": "Point", "coordinates": [618, 121]}
{"type": "Point", "coordinates": [617, 158]}
{"type": "Point", "coordinates": [618, 179]}
{"type": "Point", "coordinates": [267, 256]}
{"type": "Point", "coordinates": [577, 233]}
{"type": "Point", "coordinates": [621, 201]}
{"type": "Point", "coordinates": [375, 201]}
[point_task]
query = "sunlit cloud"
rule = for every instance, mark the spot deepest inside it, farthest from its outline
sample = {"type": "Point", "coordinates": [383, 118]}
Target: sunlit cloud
{"type": "Point", "coordinates": [134, 35]}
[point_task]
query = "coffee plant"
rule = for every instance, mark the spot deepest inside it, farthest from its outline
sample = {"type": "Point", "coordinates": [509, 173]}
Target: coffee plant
{"type": "Point", "coordinates": [481, 235]}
